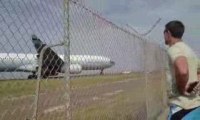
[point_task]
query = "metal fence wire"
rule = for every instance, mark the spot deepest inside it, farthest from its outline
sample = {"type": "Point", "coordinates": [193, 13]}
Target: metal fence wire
{"type": "Point", "coordinates": [60, 60]}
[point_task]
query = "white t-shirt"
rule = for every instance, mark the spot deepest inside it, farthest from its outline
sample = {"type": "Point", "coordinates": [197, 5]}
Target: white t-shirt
{"type": "Point", "coordinates": [177, 50]}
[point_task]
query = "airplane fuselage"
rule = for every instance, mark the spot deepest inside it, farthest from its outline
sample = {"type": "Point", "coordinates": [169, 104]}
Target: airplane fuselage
{"type": "Point", "coordinates": [10, 62]}
{"type": "Point", "coordinates": [51, 64]}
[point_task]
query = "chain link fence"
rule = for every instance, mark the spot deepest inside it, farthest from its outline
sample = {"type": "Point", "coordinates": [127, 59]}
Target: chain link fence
{"type": "Point", "coordinates": [60, 60]}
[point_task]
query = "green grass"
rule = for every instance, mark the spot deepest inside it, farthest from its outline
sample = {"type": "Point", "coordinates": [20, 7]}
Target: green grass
{"type": "Point", "coordinates": [91, 81]}
{"type": "Point", "coordinates": [16, 88]}
{"type": "Point", "coordinates": [123, 106]}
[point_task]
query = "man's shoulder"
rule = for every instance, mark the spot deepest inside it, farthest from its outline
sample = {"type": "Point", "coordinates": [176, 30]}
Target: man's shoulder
{"type": "Point", "coordinates": [174, 50]}
{"type": "Point", "coordinates": [179, 49]}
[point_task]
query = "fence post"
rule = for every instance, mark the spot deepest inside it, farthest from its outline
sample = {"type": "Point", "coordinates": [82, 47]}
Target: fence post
{"type": "Point", "coordinates": [146, 80]}
{"type": "Point", "coordinates": [67, 57]}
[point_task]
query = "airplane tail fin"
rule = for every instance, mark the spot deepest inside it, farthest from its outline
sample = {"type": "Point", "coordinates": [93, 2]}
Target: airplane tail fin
{"type": "Point", "coordinates": [51, 63]}
{"type": "Point", "coordinates": [38, 44]}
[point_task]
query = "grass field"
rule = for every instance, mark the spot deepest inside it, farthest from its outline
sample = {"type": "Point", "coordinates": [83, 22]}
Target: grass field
{"type": "Point", "coordinates": [107, 97]}
{"type": "Point", "coordinates": [127, 105]}
{"type": "Point", "coordinates": [15, 88]}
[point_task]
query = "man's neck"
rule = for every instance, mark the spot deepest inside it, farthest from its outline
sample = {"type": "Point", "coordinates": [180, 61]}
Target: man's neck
{"type": "Point", "coordinates": [174, 41]}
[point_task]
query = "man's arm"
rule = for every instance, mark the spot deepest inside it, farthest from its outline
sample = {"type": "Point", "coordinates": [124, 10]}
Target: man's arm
{"type": "Point", "coordinates": [196, 88]}
{"type": "Point", "coordinates": [181, 74]}
{"type": "Point", "coordinates": [198, 69]}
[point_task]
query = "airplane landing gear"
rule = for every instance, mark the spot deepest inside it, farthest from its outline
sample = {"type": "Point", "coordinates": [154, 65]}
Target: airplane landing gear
{"type": "Point", "coordinates": [101, 73]}
{"type": "Point", "coordinates": [33, 76]}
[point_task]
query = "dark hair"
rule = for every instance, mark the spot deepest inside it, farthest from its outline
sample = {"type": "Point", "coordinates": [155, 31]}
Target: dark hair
{"type": "Point", "coordinates": [176, 28]}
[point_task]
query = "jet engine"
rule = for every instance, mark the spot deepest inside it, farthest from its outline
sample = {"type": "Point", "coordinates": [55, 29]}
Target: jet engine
{"type": "Point", "coordinates": [74, 69]}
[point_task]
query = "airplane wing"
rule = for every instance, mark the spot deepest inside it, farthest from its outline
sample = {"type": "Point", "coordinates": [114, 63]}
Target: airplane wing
{"type": "Point", "coordinates": [51, 63]}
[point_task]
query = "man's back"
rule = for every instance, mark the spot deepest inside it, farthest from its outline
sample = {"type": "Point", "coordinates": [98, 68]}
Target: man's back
{"type": "Point", "coordinates": [177, 50]}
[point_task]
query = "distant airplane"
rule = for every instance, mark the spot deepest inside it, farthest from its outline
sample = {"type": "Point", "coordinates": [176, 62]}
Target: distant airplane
{"type": "Point", "coordinates": [52, 64]}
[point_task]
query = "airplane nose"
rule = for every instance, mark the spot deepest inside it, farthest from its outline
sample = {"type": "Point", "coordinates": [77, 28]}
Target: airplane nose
{"type": "Point", "coordinates": [112, 62]}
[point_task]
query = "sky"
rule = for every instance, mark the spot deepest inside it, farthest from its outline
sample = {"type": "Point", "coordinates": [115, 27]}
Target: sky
{"type": "Point", "coordinates": [91, 35]}
{"type": "Point", "coordinates": [142, 14]}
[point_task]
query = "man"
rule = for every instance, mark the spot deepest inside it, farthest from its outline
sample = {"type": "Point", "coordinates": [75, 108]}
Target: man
{"type": "Point", "coordinates": [198, 71]}
{"type": "Point", "coordinates": [184, 101]}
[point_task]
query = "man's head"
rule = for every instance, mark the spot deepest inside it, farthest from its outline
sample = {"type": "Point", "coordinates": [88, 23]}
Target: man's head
{"type": "Point", "coordinates": [173, 30]}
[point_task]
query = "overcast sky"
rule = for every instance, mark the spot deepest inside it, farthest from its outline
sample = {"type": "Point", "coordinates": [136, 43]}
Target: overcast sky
{"type": "Point", "coordinates": [142, 14]}
{"type": "Point", "coordinates": [91, 35]}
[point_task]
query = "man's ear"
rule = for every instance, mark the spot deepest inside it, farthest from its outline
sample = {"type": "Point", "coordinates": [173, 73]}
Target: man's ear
{"type": "Point", "coordinates": [169, 34]}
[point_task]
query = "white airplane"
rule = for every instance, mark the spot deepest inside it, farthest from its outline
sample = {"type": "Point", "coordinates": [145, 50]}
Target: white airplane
{"type": "Point", "coordinates": [52, 64]}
